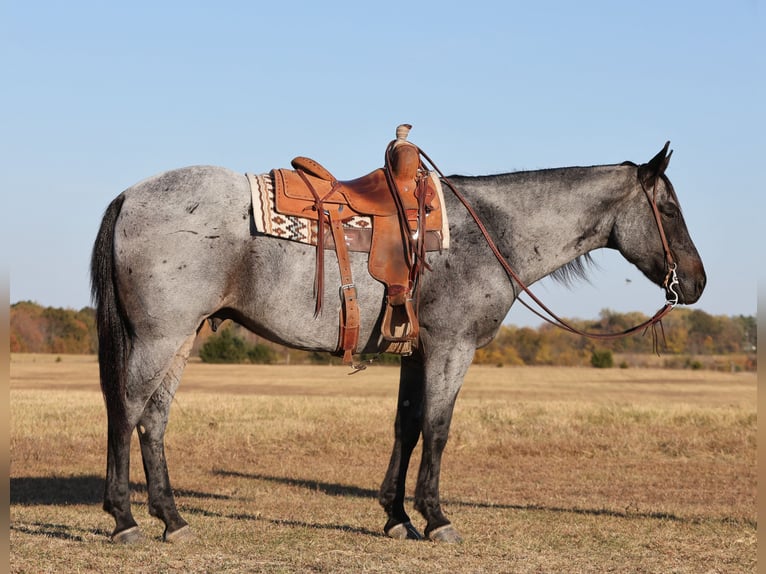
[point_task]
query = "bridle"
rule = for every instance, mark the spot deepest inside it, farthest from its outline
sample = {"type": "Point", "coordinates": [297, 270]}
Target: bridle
{"type": "Point", "coordinates": [670, 283]}
{"type": "Point", "coordinates": [671, 278]}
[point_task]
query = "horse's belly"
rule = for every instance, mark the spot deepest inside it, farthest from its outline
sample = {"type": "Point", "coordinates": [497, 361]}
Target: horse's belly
{"type": "Point", "coordinates": [280, 296]}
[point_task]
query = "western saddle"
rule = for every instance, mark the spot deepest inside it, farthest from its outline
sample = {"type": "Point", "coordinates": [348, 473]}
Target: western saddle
{"type": "Point", "coordinates": [403, 201]}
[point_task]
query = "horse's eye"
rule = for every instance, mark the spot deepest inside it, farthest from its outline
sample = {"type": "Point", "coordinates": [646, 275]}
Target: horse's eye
{"type": "Point", "coordinates": [670, 210]}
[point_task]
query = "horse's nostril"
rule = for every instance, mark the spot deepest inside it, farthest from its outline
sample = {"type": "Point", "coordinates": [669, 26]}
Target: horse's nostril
{"type": "Point", "coordinates": [701, 282]}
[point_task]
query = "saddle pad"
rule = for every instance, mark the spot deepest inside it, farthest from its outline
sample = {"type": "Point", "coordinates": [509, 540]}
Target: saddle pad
{"type": "Point", "coordinates": [270, 222]}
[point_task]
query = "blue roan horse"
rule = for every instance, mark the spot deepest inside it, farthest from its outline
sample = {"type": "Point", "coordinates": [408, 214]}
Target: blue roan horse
{"type": "Point", "coordinates": [180, 248]}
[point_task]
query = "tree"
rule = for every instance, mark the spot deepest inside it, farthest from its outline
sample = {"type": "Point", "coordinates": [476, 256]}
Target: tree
{"type": "Point", "coordinates": [602, 359]}
{"type": "Point", "coordinates": [37, 329]}
{"type": "Point", "coordinates": [228, 347]}
{"type": "Point", "coordinates": [702, 330]}
{"type": "Point", "coordinates": [749, 328]}
{"type": "Point", "coordinates": [261, 354]}
{"type": "Point", "coordinates": [224, 347]}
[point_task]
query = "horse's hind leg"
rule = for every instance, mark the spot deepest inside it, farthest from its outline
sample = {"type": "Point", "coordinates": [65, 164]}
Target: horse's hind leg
{"type": "Point", "coordinates": [149, 368]}
{"type": "Point", "coordinates": [151, 434]}
{"type": "Point", "coordinates": [117, 486]}
{"type": "Point", "coordinates": [409, 413]}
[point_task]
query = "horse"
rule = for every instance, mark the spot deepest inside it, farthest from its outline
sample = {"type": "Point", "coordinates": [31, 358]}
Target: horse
{"type": "Point", "coordinates": [180, 248]}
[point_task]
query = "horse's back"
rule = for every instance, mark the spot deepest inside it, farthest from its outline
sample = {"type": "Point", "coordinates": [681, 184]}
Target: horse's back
{"type": "Point", "coordinates": [188, 194]}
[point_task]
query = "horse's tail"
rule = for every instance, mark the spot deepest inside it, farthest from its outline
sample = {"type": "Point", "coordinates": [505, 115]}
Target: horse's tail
{"type": "Point", "coordinates": [111, 323]}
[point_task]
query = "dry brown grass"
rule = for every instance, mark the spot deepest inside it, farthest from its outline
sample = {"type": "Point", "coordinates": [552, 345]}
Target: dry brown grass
{"type": "Point", "coordinates": [277, 470]}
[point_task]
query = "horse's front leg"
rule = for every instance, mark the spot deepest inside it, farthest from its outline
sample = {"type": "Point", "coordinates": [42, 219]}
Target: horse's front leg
{"type": "Point", "coordinates": [409, 411]}
{"type": "Point", "coordinates": [444, 377]}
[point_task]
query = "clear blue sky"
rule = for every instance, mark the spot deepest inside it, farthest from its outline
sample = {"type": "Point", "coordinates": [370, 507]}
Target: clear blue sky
{"type": "Point", "coordinates": [99, 95]}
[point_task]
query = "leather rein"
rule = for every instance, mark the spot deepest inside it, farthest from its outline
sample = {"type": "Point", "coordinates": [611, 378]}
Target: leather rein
{"type": "Point", "coordinates": [669, 283]}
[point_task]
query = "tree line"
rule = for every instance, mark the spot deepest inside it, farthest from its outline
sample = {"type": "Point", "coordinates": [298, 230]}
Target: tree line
{"type": "Point", "coordinates": [688, 338]}
{"type": "Point", "coordinates": [37, 329]}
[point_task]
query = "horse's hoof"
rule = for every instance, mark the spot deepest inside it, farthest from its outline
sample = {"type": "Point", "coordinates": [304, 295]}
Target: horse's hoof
{"type": "Point", "coordinates": [183, 534]}
{"type": "Point", "coordinates": [128, 536]}
{"type": "Point", "coordinates": [404, 531]}
{"type": "Point", "coordinates": [446, 533]}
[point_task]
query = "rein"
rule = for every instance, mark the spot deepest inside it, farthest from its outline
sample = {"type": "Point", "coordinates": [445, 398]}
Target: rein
{"type": "Point", "coordinates": [670, 282]}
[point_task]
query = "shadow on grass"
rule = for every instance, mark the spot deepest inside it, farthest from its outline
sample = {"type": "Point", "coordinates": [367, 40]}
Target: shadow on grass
{"type": "Point", "coordinates": [323, 487]}
{"type": "Point", "coordinates": [55, 490]}
{"type": "Point", "coordinates": [246, 516]}
{"type": "Point", "coordinates": [334, 489]}
{"type": "Point", "coordinates": [88, 489]}
{"type": "Point", "coordinates": [58, 531]}
{"type": "Point", "coordinates": [84, 489]}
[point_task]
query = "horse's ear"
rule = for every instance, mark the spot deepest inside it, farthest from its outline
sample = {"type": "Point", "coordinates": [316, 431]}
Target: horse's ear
{"type": "Point", "coordinates": [649, 172]}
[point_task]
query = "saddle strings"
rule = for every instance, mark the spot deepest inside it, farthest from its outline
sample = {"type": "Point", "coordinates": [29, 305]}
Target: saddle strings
{"type": "Point", "coordinates": [321, 215]}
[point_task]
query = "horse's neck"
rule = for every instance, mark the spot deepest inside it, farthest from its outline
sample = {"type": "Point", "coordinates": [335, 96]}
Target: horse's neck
{"type": "Point", "coordinates": [542, 220]}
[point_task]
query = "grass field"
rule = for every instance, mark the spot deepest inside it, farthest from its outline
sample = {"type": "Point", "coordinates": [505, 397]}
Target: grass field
{"type": "Point", "coordinates": [277, 470]}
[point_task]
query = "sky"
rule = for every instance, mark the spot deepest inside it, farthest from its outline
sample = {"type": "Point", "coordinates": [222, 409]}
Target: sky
{"type": "Point", "coordinates": [100, 95]}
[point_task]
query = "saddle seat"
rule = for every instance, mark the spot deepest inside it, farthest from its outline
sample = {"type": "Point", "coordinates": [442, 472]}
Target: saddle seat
{"type": "Point", "coordinates": [402, 201]}
{"type": "Point", "coordinates": [366, 195]}
{"type": "Point", "coordinates": [369, 195]}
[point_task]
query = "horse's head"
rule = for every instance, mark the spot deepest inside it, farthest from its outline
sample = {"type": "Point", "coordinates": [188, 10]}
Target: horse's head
{"type": "Point", "coordinates": [650, 212]}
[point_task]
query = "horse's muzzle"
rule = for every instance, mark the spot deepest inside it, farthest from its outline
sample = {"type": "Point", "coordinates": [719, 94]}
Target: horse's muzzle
{"type": "Point", "coordinates": [691, 283]}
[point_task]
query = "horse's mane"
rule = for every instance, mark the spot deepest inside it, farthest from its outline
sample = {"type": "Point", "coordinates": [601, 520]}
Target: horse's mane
{"type": "Point", "coordinates": [574, 270]}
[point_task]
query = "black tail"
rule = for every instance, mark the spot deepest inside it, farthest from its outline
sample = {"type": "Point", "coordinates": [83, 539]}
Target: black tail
{"type": "Point", "coordinates": [113, 328]}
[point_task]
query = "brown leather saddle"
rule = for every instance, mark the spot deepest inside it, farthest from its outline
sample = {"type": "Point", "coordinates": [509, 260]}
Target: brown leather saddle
{"type": "Point", "coordinates": [404, 205]}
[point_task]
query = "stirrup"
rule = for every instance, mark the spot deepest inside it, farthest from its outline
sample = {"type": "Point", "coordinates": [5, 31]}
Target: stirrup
{"type": "Point", "coordinates": [404, 348]}
{"type": "Point", "coordinates": [400, 324]}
